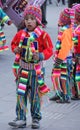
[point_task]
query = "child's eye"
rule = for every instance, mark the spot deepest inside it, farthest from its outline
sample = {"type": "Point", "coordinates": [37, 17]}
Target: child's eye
{"type": "Point", "coordinates": [26, 19]}
{"type": "Point", "coordinates": [32, 18]}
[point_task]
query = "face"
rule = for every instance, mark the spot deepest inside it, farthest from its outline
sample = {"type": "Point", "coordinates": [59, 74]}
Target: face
{"type": "Point", "coordinates": [30, 22]}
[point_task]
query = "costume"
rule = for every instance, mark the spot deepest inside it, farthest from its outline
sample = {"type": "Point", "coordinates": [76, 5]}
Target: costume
{"type": "Point", "coordinates": [3, 19]}
{"type": "Point", "coordinates": [62, 57]}
{"type": "Point", "coordinates": [76, 58]}
{"type": "Point", "coordinates": [30, 77]}
{"type": "Point", "coordinates": [47, 52]}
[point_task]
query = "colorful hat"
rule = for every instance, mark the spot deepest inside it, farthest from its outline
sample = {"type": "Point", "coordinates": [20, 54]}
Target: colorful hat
{"type": "Point", "coordinates": [64, 18]}
{"type": "Point", "coordinates": [35, 11]}
{"type": "Point", "coordinates": [77, 13]}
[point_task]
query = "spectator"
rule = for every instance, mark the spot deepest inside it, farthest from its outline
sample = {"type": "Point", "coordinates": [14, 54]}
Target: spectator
{"type": "Point", "coordinates": [43, 8]}
{"type": "Point", "coordinates": [58, 2]}
{"type": "Point", "coordinates": [50, 1]}
{"type": "Point", "coordinates": [3, 19]}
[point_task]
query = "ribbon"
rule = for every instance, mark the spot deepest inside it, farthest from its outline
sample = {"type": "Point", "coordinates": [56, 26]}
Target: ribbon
{"type": "Point", "coordinates": [17, 58]}
{"type": "Point", "coordinates": [23, 79]}
{"type": "Point", "coordinates": [43, 89]}
{"type": "Point", "coordinates": [4, 48]}
{"type": "Point", "coordinates": [3, 41]}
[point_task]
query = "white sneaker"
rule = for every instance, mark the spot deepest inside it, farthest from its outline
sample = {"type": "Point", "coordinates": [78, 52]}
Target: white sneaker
{"type": "Point", "coordinates": [18, 123]}
{"type": "Point", "coordinates": [35, 124]}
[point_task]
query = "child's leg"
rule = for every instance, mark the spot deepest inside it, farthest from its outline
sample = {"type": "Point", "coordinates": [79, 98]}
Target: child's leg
{"type": "Point", "coordinates": [21, 107]}
{"type": "Point", "coordinates": [63, 79]}
{"type": "Point", "coordinates": [22, 97]}
{"type": "Point", "coordinates": [35, 99]}
{"type": "Point", "coordinates": [20, 120]}
{"type": "Point", "coordinates": [56, 82]}
{"type": "Point", "coordinates": [35, 103]}
{"type": "Point", "coordinates": [21, 104]}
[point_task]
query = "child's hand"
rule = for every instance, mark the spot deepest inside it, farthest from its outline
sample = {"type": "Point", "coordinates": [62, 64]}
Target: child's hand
{"type": "Point", "coordinates": [17, 50]}
{"type": "Point", "coordinates": [35, 56]}
{"type": "Point", "coordinates": [9, 22]}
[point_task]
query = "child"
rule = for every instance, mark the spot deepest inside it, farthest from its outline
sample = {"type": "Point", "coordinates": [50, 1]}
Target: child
{"type": "Point", "coordinates": [31, 46]}
{"type": "Point", "coordinates": [76, 39]}
{"type": "Point", "coordinates": [3, 19]}
{"type": "Point", "coordinates": [62, 57]}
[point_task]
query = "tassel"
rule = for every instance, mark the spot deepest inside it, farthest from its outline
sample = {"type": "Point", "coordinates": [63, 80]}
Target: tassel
{"type": "Point", "coordinates": [23, 79]}
{"type": "Point", "coordinates": [17, 57]}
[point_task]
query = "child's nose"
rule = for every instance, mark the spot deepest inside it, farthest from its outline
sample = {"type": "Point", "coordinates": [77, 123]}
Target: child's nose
{"type": "Point", "coordinates": [29, 20]}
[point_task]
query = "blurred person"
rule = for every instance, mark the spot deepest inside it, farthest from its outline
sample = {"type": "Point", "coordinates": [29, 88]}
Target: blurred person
{"type": "Point", "coordinates": [43, 8]}
{"type": "Point", "coordinates": [49, 1]}
{"type": "Point", "coordinates": [76, 56]}
{"type": "Point", "coordinates": [3, 2]}
{"type": "Point", "coordinates": [3, 19]}
{"type": "Point", "coordinates": [58, 2]}
{"type": "Point", "coordinates": [0, 3]}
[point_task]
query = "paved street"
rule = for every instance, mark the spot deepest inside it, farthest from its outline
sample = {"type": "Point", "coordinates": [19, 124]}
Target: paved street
{"type": "Point", "coordinates": [55, 116]}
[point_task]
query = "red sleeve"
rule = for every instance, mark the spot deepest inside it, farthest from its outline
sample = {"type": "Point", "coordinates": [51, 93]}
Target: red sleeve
{"type": "Point", "coordinates": [48, 46]}
{"type": "Point", "coordinates": [15, 41]}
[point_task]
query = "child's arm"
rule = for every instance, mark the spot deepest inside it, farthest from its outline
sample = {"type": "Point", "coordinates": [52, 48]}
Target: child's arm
{"type": "Point", "coordinates": [4, 17]}
{"type": "Point", "coordinates": [15, 42]}
{"type": "Point", "coordinates": [47, 48]}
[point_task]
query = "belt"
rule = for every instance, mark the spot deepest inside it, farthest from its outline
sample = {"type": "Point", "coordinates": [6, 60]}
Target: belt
{"type": "Point", "coordinates": [29, 66]}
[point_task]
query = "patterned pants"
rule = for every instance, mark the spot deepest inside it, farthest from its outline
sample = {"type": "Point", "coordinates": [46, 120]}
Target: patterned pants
{"type": "Point", "coordinates": [76, 77]}
{"type": "Point", "coordinates": [32, 90]}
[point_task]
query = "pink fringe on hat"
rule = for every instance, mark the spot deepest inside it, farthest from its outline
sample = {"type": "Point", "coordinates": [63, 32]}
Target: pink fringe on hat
{"type": "Point", "coordinates": [64, 18]}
